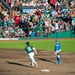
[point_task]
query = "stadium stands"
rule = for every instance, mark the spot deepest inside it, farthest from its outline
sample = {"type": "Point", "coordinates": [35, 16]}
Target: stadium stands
{"type": "Point", "coordinates": [43, 17]}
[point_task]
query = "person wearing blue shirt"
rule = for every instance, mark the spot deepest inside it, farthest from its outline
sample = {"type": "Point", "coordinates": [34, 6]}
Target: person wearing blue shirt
{"type": "Point", "coordinates": [57, 52]}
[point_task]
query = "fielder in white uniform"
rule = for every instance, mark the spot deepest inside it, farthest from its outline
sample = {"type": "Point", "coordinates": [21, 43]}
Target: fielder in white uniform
{"type": "Point", "coordinates": [31, 52]}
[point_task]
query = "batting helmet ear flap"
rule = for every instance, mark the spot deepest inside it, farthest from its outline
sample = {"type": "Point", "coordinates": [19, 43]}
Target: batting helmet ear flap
{"type": "Point", "coordinates": [27, 43]}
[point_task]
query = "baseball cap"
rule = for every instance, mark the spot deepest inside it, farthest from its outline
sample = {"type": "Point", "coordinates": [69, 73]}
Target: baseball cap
{"type": "Point", "coordinates": [27, 43]}
{"type": "Point", "coordinates": [56, 41]}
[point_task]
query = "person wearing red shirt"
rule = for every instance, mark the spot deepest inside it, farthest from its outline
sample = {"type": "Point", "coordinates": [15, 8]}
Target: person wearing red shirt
{"type": "Point", "coordinates": [53, 2]}
{"type": "Point", "coordinates": [17, 20]}
{"type": "Point", "coordinates": [39, 12]}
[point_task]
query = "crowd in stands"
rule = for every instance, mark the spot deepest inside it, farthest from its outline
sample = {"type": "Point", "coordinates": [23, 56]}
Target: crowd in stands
{"type": "Point", "coordinates": [56, 16]}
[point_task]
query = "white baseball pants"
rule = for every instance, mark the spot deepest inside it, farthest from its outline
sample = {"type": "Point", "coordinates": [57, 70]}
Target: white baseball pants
{"type": "Point", "coordinates": [31, 56]}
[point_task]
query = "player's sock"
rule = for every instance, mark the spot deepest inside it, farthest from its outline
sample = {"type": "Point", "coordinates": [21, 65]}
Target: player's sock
{"type": "Point", "coordinates": [58, 59]}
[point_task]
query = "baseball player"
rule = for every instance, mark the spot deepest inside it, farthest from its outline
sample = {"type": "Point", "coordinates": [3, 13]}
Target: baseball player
{"type": "Point", "coordinates": [57, 52]}
{"type": "Point", "coordinates": [30, 50]}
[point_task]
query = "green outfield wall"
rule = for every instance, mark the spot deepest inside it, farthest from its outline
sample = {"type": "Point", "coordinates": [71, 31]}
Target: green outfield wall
{"type": "Point", "coordinates": [65, 34]}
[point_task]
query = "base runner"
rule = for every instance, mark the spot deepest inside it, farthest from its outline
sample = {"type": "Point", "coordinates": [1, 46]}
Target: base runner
{"type": "Point", "coordinates": [31, 52]}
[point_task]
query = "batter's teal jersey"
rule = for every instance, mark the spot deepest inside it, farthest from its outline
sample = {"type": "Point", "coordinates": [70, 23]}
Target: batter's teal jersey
{"type": "Point", "coordinates": [29, 49]}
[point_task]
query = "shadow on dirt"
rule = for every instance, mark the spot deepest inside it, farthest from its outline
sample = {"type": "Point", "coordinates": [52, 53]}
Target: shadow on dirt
{"type": "Point", "coordinates": [15, 63]}
{"type": "Point", "coordinates": [45, 60]}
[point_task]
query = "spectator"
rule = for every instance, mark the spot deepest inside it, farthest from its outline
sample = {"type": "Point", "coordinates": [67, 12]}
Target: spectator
{"type": "Point", "coordinates": [32, 33]}
{"type": "Point", "coordinates": [57, 5]}
{"type": "Point", "coordinates": [56, 25]}
{"type": "Point", "coordinates": [72, 3]}
{"type": "Point", "coordinates": [4, 23]}
{"type": "Point", "coordinates": [17, 19]}
{"type": "Point", "coordinates": [38, 30]}
{"type": "Point", "coordinates": [9, 22]}
{"type": "Point", "coordinates": [73, 24]}
{"type": "Point", "coordinates": [0, 23]}
{"type": "Point", "coordinates": [39, 12]}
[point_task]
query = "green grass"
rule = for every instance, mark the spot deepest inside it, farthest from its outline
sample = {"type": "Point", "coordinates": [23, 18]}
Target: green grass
{"type": "Point", "coordinates": [67, 45]}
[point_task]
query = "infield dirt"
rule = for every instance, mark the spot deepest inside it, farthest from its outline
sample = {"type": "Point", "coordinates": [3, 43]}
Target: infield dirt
{"type": "Point", "coordinates": [16, 62]}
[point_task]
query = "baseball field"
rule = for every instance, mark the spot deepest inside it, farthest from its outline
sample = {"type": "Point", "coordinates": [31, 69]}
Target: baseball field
{"type": "Point", "coordinates": [14, 61]}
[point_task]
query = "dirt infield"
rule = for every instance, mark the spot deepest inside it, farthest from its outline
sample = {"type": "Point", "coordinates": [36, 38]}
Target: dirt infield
{"type": "Point", "coordinates": [16, 62]}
